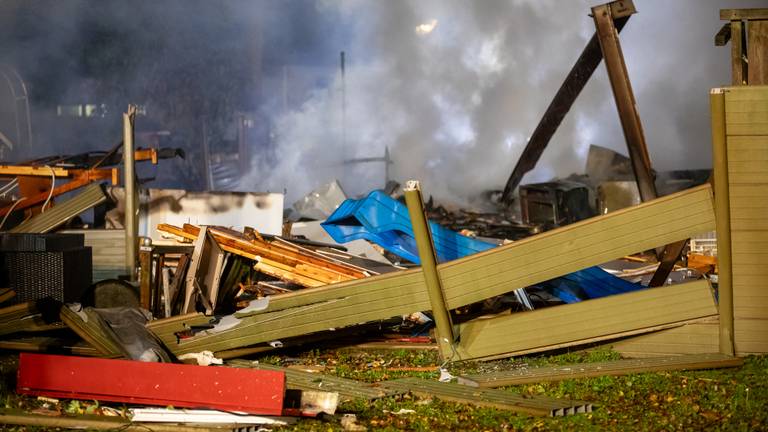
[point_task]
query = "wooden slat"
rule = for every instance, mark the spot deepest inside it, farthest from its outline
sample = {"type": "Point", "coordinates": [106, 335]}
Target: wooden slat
{"type": "Point", "coordinates": [474, 278]}
{"type": "Point", "coordinates": [757, 50]}
{"type": "Point", "coordinates": [570, 325]}
{"type": "Point", "coordinates": [741, 93]}
{"type": "Point", "coordinates": [751, 336]}
{"type": "Point", "coordinates": [346, 388]}
{"type": "Point", "coordinates": [493, 398]}
{"type": "Point", "coordinates": [692, 338]}
{"type": "Point", "coordinates": [739, 14]}
{"type": "Point", "coordinates": [597, 369]}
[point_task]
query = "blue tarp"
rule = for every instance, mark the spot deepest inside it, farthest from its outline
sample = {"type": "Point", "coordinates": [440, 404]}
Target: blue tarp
{"type": "Point", "coordinates": [385, 221]}
{"type": "Point", "coordinates": [382, 220]}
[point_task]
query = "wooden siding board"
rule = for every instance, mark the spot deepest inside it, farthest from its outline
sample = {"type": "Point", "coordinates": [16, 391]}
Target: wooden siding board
{"type": "Point", "coordinates": [570, 324]}
{"type": "Point", "coordinates": [607, 368]}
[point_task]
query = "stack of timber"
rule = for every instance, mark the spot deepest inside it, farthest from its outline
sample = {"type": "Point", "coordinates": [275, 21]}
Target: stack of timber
{"type": "Point", "coordinates": [597, 369]}
{"type": "Point", "coordinates": [495, 272]}
{"type": "Point", "coordinates": [278, 258]}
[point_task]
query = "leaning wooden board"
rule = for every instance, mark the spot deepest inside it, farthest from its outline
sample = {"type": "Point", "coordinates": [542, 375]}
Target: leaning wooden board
{"type": "Point", "coordinates": [223, 388]}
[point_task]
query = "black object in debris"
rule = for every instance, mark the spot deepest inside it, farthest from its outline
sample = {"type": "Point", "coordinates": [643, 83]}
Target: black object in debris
{"type": "Point", "coordinates": [30, 242]}
{"type": "Point", "coordinates": [36, 266]}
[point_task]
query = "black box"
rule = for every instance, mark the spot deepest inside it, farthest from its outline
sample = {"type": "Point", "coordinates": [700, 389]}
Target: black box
{"type": "Point", "coordinates": [36, 266]}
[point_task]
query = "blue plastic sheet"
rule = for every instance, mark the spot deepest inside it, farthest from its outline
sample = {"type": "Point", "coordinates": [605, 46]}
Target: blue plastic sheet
{"type": "Point", "coordinates": [385, 221]}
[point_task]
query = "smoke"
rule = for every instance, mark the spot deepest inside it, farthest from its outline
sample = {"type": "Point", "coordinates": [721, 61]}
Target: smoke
{"type": "Point", "coordinates": [452, 88]}
{"type": "Point", "coordinates": [456, 104]}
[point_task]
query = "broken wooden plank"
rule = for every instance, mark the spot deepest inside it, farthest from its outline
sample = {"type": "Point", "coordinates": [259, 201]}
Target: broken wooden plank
{"type": "Point", "coordinates": [697, 337]}
{"type": "Point", "coordinates": [51, 345]}
{"type": "Point", "coordinates": [92, 329]}
{"type": "Point", "coordinates": [346, 388]}
{"type": "Point", "coordinates": [492, 398]}
{"type": "Point", "coordinates": [224, 388]}
{"type": "Point", "coordinates": [89, 422]}
{"type": "Point", "coordinates": [607, 368]}
{"type": "Point", "coordinates": [471, 279]}
{"type": "Point", "coordinates": [589, 321]}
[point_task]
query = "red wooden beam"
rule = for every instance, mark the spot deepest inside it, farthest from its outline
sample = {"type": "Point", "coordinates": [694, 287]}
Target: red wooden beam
{"type": "Point", "coordinates": [224, 388]}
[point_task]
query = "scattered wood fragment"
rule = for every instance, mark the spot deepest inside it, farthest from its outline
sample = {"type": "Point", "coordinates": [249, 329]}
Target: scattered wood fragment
{"type": "Point", "coordinates": [346, 388]}
{"type": "Point", "coordinates": [606, 368]}
{"type": "Point", "coordinates": [93, 330]}
{"type": "Point", "coordinates": [492, 398]}
{"type": "Point", "coordinates": [90, 422]}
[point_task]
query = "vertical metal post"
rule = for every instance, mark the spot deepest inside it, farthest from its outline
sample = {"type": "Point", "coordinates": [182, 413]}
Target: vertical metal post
{"type": "Point", "coordinates": [131, 196]}
{"type": "Point", "coordinates": [415, 202]}
{"type": "Point", "coordinates": [723, 221]}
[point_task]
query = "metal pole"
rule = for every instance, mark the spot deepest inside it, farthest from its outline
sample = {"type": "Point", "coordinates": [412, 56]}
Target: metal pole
{"type": "Point", "coordinates": [131, 197]}
{"type": "Point", "coordinates": [414, 200]}
{"type": "Point", "coordinates": [723, 221]}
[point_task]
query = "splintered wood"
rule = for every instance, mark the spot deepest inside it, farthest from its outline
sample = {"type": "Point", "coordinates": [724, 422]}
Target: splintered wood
{"type": "Point", "coordinates": [278, 258]}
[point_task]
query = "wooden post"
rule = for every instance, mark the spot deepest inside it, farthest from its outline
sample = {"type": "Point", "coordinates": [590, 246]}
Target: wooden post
{"type": "Point", "coordinates": [423, 236]}
{"type": "Point", "coordinates": [625, 100]}
{"type": "Point", "coordinates": [145, 274]}
{"type": "Point", "coordinates": [131, 197]}
{"type": "Point", "coordinates": [738, 69]}
{"type": "Point", "coordinates": [723, 220]}
{"type": "Point", "coordinates": [757, 52]}
{"type": "Point", "coordinates": [564, 98]}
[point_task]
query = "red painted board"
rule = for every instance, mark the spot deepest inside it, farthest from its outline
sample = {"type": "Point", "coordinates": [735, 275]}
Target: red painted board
{"type": "Point", "coordinates": [231, 389]}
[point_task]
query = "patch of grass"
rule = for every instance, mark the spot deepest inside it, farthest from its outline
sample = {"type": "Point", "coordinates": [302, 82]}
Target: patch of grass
{"type": "Point", "coordinates": [722, 399]}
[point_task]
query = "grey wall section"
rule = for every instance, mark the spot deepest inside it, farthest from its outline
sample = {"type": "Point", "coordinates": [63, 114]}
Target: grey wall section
{"type": "Point", "coordinates": [108, 248]}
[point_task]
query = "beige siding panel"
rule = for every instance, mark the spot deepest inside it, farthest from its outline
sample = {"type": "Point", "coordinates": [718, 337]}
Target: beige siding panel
{"type": "Point", "coordinates": [746, 106]}
{"type": "Point", "coordinates": [694, 338]}
{"type": "Point", "coordinates": [750, 245]}
{"type": "Point", "coordinates": [747, 128]}
{"type": "Point", "coordinates": [746, 117]}
{"type": "Point", "coordinates": [751, 336]}
{"type": "Point", "coordinates": [747, 93]}
{"type": "Point", "coordinates": [758, 225]}
{"type": "Point", "coordinates": [751, 258]}
{"type": "Point", "coordinates": [747, 192]}
{"type": "Point", "coordinates": [570, 325]}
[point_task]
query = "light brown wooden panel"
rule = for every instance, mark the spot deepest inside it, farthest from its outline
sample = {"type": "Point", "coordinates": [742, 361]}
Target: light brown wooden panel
{"type": "Point", "coordinates": [751, 336]}
{"type": "Point", "coordinates": [570, 325]}
{"type": "Point", "coordinates": [694, 338]}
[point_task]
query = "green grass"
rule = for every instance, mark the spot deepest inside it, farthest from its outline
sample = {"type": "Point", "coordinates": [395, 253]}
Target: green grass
{"type": "Point", "coordinates": [723, 399]}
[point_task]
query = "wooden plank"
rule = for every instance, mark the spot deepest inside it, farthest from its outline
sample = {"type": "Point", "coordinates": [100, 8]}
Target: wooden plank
{"type": "Point", "coordinates": [48, 345]}
{"type": "Point", "coordinates": [738, 66]}
{"type": "Point", "coordinates": [757, 104]}
{"type": "Point", "coordinates": [607, 368]}
{"type": "Point", "coordinates": [745, 117]}
{"type": "Point", "coordinates": [570, 325]}
{"type": "Point", "coordinates": [748, 129]}
{"type": "Point", "coordinates": [739, 14]}
{"type": "Point", "coordinates": [757, 50]}
{"type": "Point", "coordinates": [741, 93]}
{"type": "Point", "coordinates": [93, 331]}
{"type": "Point", "coordinates": [751, 336]}
{"type": "Point", "coordinates": [89, 422]}
{"type": "Point", "coordinates": [37, 171]}
{"type": "Point", "coordinates": [693, 338]}
{"type": "Point", "coordinates": [492, 398]}
{"type": "Point", "coordinates": [473, 278]}
{"type": "Point", "coordinates": [347, 389]}
{"type": "Point", "coordinates": [230, 389]}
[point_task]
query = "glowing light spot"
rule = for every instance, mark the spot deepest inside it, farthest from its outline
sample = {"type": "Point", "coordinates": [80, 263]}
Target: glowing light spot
{"type": "Point", "coordinates": [426, 28]}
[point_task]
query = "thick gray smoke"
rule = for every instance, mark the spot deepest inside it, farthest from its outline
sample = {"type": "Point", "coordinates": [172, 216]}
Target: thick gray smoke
{"type": "Point", "coordinates": [453, 88]}
{"type": "Point", "coordinates": [455, 105]}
